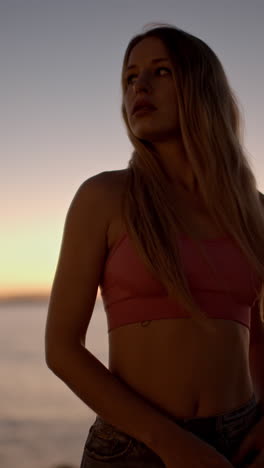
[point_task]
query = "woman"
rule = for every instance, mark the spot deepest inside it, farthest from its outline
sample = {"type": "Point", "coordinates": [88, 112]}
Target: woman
{"type": "Point", "coordinates": [175, 243]}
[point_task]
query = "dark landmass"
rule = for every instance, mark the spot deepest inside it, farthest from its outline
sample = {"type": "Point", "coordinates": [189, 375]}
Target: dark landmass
{"type": "Point", "coordinates": [18, 299]}
{"type": "Point", "coordinates": [29, 298]}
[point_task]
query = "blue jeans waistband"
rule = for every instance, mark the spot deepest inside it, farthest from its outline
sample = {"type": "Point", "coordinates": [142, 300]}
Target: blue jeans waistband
{"type": "Point", "coordinates": [224, 416]}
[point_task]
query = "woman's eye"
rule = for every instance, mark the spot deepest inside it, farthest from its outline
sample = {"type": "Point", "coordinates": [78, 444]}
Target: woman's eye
{"type": "Point", "coordinates": [131, 76]}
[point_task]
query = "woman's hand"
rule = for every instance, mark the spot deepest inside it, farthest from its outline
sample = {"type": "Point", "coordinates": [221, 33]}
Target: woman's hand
{"type": "Point", "coordinates": [197, 454]}
{"type": "Point", "coordinates": [252, 447]}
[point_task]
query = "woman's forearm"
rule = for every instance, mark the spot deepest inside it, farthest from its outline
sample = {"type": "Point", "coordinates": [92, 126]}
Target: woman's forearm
{"type": "Point", "coordinates": [113, 400]}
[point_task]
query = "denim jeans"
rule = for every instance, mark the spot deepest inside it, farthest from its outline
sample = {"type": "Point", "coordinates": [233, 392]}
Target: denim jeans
{"type": "Point", "coordinates": [107, 446]}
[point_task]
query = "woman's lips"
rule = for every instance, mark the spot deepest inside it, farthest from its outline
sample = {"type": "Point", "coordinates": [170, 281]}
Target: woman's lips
{"type": "Point", "coordinates": [143, 110]}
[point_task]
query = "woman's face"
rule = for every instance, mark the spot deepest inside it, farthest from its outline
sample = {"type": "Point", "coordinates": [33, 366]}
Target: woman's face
{"type": "Point", "coordinates": [152, 81]}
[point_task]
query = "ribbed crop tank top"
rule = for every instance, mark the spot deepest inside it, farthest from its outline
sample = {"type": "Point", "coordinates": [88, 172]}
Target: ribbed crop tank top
{"type": "Point", "coordinates": [130, 292]}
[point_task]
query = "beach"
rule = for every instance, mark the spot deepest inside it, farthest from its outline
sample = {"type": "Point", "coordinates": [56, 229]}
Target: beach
{"type": "Point", "coordinates": [43, 424]}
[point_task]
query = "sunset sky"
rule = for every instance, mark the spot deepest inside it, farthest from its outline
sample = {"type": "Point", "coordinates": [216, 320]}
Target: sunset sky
{"type": "Point", "coordinates": [61, 107]}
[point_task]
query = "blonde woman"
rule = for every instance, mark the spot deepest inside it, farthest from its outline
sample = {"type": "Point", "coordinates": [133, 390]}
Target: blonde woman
{"type": "Point", "coordinates": [175, 244]}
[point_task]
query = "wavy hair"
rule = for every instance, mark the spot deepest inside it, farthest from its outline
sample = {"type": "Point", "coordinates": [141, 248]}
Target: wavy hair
{"type": "Point", "coordinates": [210, 127]}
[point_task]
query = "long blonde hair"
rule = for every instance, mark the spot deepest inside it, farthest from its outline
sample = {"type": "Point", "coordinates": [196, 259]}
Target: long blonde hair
{"type": "Point", "coordinates": [210, 124]}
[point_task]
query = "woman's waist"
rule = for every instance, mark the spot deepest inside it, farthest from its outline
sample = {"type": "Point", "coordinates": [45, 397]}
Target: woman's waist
{"type": "Point", "coordinates": [185, 384]}
{"type": "Point", "coordinates": [191, 395]}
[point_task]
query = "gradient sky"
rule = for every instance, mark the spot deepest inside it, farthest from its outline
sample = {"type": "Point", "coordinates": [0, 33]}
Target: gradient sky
{"type": "Point", "coordinates": [61, 107]}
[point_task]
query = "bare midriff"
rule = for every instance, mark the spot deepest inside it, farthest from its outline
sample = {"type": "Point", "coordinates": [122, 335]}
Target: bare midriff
{"type": "Point", "coordinates": [181, 369]}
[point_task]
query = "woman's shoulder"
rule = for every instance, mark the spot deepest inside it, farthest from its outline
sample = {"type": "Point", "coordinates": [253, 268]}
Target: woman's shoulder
{"type": "Point", "coordinates": [106, 185]}
{"type": "Point", "coordinates": [108, 192]}
{"type": "Point", "coordinates": [107, 180]}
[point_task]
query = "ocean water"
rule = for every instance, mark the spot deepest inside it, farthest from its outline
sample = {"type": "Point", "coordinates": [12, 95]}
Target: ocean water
{"type": "Point", "coordinates": [43, 424]}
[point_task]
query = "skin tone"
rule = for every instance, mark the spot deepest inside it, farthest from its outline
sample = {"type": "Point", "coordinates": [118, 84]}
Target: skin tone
{"type": "Point", "coordinates": [154, 82]}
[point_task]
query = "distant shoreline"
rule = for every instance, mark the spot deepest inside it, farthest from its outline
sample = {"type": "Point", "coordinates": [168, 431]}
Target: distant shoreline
{"type": "Point", "coordinates": [29, 298]}
{"type": "Point", "coordinates": [24, 299]}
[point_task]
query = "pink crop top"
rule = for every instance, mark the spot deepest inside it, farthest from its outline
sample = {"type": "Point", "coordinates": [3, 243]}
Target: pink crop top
{"type": "Point", "coordinates": [132, 294]}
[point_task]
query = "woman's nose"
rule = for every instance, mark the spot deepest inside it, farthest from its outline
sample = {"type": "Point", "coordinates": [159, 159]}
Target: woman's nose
{"type": "Point", "coordinates": [142, 82]}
